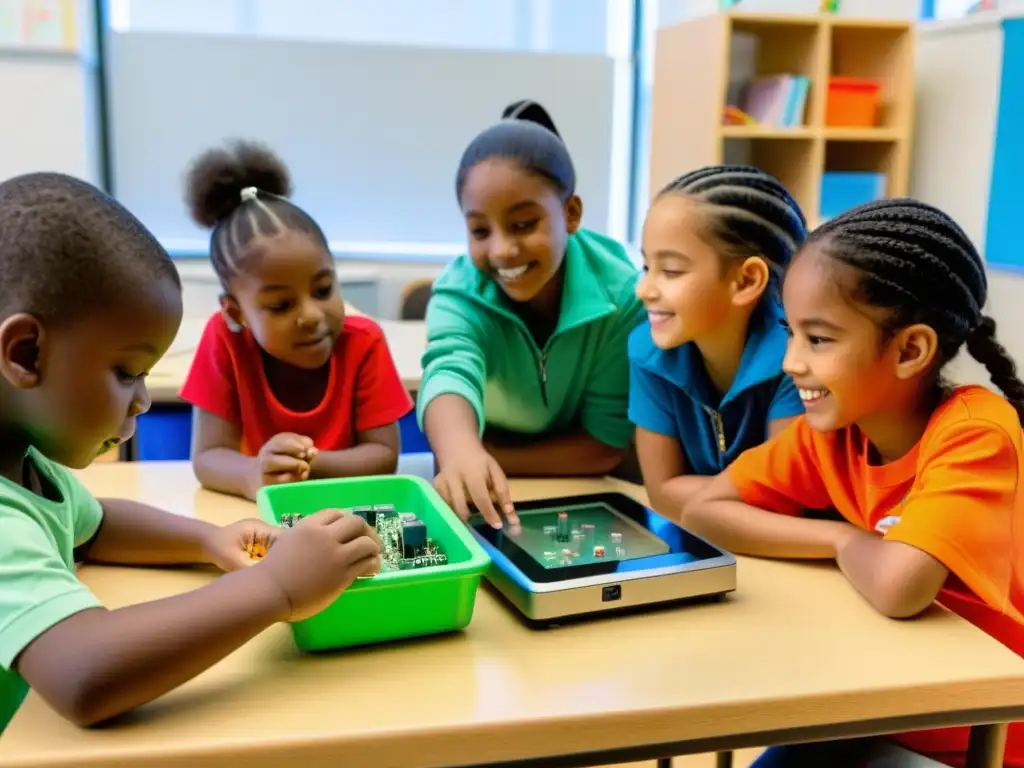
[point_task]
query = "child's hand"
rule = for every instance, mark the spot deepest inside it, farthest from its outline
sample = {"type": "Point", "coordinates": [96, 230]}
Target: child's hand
{"type": "Point", "coordinates": [474, 476]}
{"type": "Point", "coordinates": [238, 545]}
{"type": "Point", "coordinates": [285, 458]}
{"type": "Point", "coordinates": [317, 559]}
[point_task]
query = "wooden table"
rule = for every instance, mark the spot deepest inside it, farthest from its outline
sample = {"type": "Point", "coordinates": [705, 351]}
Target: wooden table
{"type": "Point", "coordinates": [406, 339]}
{"type": "Point", "coordinates": [793, 655]}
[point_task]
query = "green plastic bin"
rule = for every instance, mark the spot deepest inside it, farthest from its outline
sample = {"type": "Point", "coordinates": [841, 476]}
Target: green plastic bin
{"type": "Point", "coordinates": [395, 604]}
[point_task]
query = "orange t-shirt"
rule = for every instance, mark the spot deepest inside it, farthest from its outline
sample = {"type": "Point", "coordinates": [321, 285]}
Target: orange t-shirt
{"type": "Point", "coordinates": [956, 496]}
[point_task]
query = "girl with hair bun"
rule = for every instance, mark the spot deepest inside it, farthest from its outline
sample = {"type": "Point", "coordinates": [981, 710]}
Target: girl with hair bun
{"type": "Point", "coordinates": [525, 371]}
{"type": "Point", "coordinates": [285, 386]}
{"type": "Point", "coordinates": [925, 476]}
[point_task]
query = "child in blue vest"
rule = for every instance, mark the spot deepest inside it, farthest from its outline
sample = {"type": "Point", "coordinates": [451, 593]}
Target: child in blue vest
{"type": "Point", "coordinates": [706, 379]}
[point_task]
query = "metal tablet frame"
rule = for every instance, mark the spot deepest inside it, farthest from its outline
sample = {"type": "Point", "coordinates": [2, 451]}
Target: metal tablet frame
{"type": "Point", "coordinates": [612, 592]}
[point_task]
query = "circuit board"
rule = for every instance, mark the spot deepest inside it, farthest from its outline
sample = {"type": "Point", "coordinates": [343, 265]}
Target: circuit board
{"type": "Point", "coordinates": [405, 544]}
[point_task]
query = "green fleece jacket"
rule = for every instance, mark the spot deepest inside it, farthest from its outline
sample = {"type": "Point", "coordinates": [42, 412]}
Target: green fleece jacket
{"type": "Point", "coordinates": [478, 348]}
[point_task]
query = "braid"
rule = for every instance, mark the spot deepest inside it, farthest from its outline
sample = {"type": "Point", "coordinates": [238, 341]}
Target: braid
{"type": "Point", "coordinates": [241, 193]}
{"type": "Point", "coordinates": [754, 213]}
{"type": "Point", "coordinates": [914, 260]}
{"type": "Point", "coordinates": [983, 347]}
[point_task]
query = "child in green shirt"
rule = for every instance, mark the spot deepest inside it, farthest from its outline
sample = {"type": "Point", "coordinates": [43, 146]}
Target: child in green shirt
{"type": "Point", "coordinates": [89, 301]}
{"type": "Point", "coordinates": [525, 371]}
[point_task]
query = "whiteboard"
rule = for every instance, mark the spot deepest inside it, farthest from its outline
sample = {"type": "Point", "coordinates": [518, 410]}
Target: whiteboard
{"type": "Point", "coordinates": [47, 115]}
{"type": "Point", "coordinates": [372, 134]}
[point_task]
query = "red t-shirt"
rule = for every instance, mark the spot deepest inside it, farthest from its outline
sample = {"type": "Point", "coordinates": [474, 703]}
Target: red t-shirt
{"type": "Point", "coordinates": [957, 496]}
{"type": "Point", "coordinates": [364, 390]}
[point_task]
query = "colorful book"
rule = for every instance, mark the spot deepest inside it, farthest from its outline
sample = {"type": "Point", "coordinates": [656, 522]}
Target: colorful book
{"type": "Point", "coordinates": [777, 100]}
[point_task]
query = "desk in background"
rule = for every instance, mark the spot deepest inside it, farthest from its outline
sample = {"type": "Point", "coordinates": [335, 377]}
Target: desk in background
{"type": "Point", "coordinates": [793, 655]}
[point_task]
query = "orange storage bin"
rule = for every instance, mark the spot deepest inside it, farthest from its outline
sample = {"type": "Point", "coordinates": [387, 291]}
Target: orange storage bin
{"type": "Point", "coordinates": [852, 102]}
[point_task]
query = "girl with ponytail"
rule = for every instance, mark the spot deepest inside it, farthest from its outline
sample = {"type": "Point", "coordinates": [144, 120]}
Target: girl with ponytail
{"type": "Point", "coordinates": [525, 371]}
{"type": "Point", "coordinates": [925, 476]}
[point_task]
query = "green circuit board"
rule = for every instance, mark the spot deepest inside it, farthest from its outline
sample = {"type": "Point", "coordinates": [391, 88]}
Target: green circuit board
{"type": "Point", "coordinates": [405, 543]}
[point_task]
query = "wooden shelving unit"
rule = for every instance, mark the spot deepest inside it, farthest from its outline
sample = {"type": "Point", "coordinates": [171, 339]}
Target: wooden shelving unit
{"type": "Point", "coordinates": [700, 62]}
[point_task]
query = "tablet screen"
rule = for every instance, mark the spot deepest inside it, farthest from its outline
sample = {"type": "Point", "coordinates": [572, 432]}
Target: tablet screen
{"type": "Point", "coordinates": [574, 537]}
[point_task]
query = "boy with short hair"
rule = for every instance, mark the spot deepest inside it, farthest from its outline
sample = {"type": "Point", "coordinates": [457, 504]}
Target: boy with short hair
{"type": "Point", "coordinates": [89, 301]}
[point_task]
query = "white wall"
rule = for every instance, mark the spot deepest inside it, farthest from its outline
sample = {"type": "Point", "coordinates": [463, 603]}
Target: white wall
{"type": "Point", "coordinates": [48, 117]}
{"type": "Point", "coordinates": [959, 68]}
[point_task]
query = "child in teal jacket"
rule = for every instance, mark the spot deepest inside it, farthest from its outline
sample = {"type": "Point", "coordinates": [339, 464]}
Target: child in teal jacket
{"type": "Point", "coordinates": [525, 370]}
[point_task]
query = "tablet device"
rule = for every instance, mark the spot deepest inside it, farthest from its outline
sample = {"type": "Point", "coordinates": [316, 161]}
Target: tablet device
{"type": "Point", "coordinates": [582, 555]}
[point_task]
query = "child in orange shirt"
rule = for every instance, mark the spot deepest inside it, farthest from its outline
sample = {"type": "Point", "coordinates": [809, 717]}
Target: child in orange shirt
{"type": "Point", "coordinates": [877, 301]}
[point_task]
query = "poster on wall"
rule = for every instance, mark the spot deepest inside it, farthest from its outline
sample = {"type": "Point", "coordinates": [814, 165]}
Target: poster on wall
{"type": "Point", "coordinates": [47, 25]}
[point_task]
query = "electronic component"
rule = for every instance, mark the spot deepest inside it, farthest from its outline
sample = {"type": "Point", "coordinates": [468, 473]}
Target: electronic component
{"type": "Point", "coordinates": [562, 527]}
{"type": "Point", "coordinates": [403, 537]}
{"type": "Point", "coordinates": [256, 546]}
{"type": "Point", "coordinates": [369, 514]}
{"type": "Point", "coordinates": [414, 536]}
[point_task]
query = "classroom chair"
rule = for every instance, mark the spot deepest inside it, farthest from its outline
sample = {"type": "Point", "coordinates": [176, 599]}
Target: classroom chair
{"type": "Point", "coordinates": [415, 296]}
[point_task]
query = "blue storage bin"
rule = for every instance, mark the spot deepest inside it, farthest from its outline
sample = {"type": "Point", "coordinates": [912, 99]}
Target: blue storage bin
{"type": "Point", "coordinates": [413, 440]}
{"type": "Point", "coordinates": [164, 434]}
{"type": "Point", "coordinates": [843, 190]}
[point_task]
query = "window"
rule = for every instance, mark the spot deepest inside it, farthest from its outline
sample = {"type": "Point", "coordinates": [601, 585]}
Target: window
{"type": "Point", "coordinates": [369, 103]}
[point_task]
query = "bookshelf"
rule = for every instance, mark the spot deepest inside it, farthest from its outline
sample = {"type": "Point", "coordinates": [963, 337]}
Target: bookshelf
{"type": "Point", "coordinates": [702, 66]}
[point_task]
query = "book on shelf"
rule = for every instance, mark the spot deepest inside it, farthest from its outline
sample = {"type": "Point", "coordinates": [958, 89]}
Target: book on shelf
{"type": "Point", "coordinates": [778, 100]}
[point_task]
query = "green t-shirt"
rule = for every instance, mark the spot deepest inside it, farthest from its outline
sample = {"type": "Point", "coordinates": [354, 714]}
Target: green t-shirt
{"type": "Point", "coordinates": [38, 585]}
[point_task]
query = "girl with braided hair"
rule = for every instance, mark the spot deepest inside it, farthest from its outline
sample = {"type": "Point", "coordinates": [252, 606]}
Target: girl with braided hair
{"type": "Point", "coordinates": [925, 476]}
{"type": "Point", "coordinates": [706, 379]}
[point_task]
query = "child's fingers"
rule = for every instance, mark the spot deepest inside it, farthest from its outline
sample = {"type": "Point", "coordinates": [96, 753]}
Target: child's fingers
{"type": "Point", "coordinates": [277, 463]}
{"type": "Point", "coordinates": [289, 444]}
{"type": "Point", "coordinates": [279, 478]}
{"type": "Point", "coordinates": [502, 494]}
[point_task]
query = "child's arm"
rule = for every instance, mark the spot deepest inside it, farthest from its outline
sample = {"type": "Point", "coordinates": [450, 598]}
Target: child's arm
{"type": "Point", "coordinates": [136, 534]}
{"type": "Point", "coordinates": [216, 457]}
{"type": "Point", "coordinates": [962, 517]}
{"type": "Point", "coordinates": [375, 453]}
{"type": "Point", "coordinates": [663, 464]}
{"type": "Point", "coordinates": [899, 580]}
{"type": "Point", "coordinates": [719, 514]}
{"type": "Point", "coordinates": [219, 464]}
{"type": "Point", "coordinates": [91, 664]}
{"type": "Point", "coordinates": [468, 473]}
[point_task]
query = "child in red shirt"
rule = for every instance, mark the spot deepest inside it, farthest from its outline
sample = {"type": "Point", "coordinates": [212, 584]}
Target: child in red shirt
{"type": "Point", "coordinates": [926, 477]}
{"type": "Point", "coordinates": [285, 386]}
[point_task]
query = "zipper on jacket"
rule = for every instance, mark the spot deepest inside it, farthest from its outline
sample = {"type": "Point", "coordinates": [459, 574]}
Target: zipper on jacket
{"type": "Point", "coordinates": [543, 371]}
{"type": "Point", "coordinates": [718, 426]}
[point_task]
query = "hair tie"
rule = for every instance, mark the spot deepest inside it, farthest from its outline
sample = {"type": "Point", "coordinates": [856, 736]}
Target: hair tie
{"type": "Point", "coordinates": [249, 193]}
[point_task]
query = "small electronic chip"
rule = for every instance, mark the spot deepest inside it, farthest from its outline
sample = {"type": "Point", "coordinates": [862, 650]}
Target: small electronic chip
{"type": "Point", "coordinates": [405, 544]}
{"type": "Point", "coordinates": [256, 546]}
